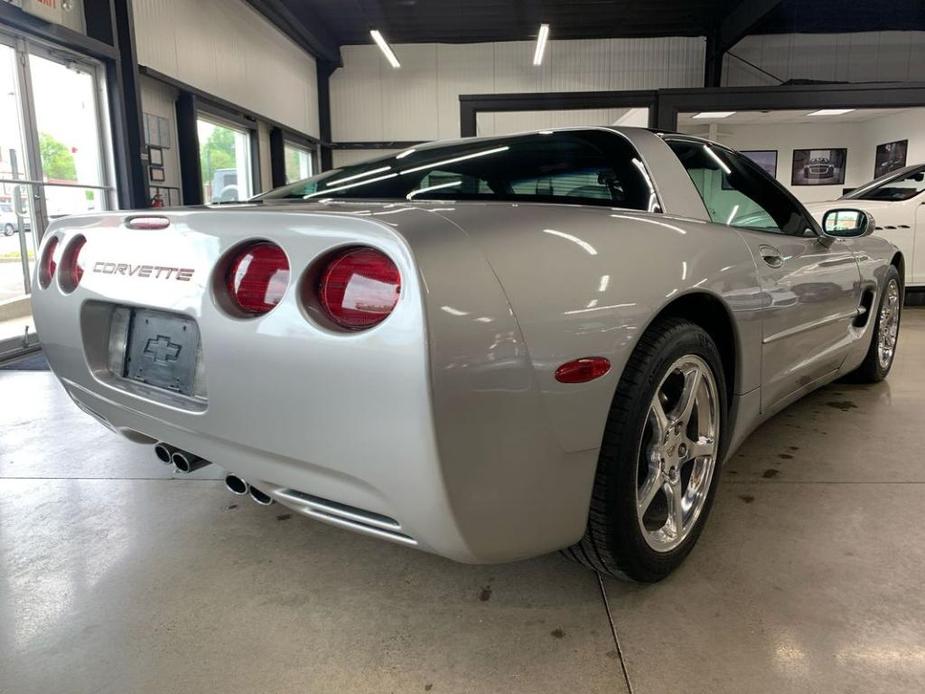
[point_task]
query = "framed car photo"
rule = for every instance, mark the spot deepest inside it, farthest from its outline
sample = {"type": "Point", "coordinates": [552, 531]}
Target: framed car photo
{"type": "Point", "coordinates": [818, 167]}
{"type": "Point", "coordinates": [890, 156]}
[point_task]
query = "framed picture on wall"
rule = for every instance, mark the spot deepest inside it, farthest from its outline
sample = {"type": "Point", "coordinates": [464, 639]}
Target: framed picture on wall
{"type": "Point", "coordinates": [156, 174]}
{"type": "Point", "coordinates": [818, 167]}
{"type": "Point", "coordinates": [765, 158]}
{"type": "Point", "coordinates": [155, 156]}
{"type": "Point", "coordinates": [890, 156]}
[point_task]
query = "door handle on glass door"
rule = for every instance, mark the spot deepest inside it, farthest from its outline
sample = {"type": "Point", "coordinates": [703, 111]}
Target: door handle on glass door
{"type": "Point", "coordinates": [771, 256]}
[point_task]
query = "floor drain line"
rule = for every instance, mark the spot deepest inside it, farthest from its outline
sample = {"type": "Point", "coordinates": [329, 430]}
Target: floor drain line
{"type": "Point", "coordinates": [613, 633]}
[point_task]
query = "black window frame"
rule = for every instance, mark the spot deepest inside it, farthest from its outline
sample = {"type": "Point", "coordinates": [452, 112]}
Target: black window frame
{"type": "Point", "coordinates": [809, 221]}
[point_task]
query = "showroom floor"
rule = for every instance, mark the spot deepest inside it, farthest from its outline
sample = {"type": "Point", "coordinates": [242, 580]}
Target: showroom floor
{"type": "Point", "coordinates": [115, 577]}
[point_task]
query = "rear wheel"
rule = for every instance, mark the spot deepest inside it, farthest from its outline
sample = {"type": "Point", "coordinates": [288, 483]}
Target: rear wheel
{"type": "Point", "coordinates": [659, 461]}
{"type": "Point", "coordinates": [879, 358]}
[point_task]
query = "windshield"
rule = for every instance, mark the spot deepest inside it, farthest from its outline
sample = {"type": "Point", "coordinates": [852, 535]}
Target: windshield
{"type": "Point", "coordinates": [895, 186]}
{"type": "Point", "coordinates": [591, 167]}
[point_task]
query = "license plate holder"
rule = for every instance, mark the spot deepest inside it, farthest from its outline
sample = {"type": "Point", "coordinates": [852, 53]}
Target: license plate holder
{"type": "Point", "coordinates": [162, 350]}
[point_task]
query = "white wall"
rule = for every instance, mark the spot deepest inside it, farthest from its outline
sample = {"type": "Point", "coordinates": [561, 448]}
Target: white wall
{"type": "Point", "coordinates": [370, 101]}
{"type": "Point", "coordinates": [859, 138]}
{"type": "Point", "coordinates": [875, 56]}
{"type": "Point", "coordinates": [346, 157]}
{"type": "Point", "coordinates": [226, 48]}
{"type": "Point", "coordinates": [159, 99]}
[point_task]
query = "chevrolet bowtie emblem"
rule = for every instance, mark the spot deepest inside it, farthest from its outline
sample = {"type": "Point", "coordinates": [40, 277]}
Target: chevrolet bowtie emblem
{"type": "Point", "coordinates": [162, 350]}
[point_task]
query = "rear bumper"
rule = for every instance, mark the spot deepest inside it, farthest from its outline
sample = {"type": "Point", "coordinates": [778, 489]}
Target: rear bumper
{"type": "Point", "coordinates": [402, 499]}
{"type": "Point", "coordinates": [424, 420]}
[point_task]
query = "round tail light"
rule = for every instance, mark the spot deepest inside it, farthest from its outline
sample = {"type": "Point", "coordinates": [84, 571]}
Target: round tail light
{"type": "Point", "coordinates": [257, 277]}
{"type": "Point", "coordinates": [359, 288]}
{"type": "Point", "coordinates": [72, 270]}
{"type": "Point", "coordinates": [48, 265]}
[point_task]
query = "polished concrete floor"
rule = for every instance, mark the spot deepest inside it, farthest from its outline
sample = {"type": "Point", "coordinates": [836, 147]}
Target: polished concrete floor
{"type": "Point", "coordinates": [116, 577]}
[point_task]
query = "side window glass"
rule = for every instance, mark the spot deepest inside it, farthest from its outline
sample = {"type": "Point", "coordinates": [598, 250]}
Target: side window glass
{"type": "Point", "coordinates": [596, 183]}
{"type": "Point", "coordinates": [736, 192]}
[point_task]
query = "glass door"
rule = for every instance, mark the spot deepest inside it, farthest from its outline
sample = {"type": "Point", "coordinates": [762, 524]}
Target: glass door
{"type": "Point", "coordinates": [17, 208]}
{"type": "Point", "coordinates": [54, 161]}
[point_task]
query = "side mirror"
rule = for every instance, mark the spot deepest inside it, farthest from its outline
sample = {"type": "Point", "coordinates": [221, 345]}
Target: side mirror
{"type": "Point", "coordinates": [848, 223]}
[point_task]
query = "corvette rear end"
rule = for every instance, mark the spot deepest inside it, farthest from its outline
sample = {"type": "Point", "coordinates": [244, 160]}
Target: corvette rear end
{"type": "Point", "coordinates": [488, 349]}
{"type": "Point", "coordinates": [236, 337]}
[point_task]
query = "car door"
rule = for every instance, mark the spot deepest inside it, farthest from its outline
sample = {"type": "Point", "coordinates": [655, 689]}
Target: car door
{"type": "Point", "coordinates": [811, 284]}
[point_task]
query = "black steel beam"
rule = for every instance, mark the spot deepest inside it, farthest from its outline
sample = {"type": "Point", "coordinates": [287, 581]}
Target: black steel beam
{"type": "Point", "coordinates": [323, 71]}
{"type": "Point", "coordinates": [188, 149]}
{"type": "Point", "coordinates": [133, 192]}
{"type": "Point", "coordinates": [741, 20]}
{"type": "Point", "coordinates": [17, 19]}
{"type": "Point", "coordinates": [713, 63]}
{"type": "Point", "coordinates": [308, 31]}
{"type": "Point", "coordinates": [808, 97]}
{"type": "Point", "coordinates": [736, 25]}
{"type": "Point", "coordinates": [278, 157]}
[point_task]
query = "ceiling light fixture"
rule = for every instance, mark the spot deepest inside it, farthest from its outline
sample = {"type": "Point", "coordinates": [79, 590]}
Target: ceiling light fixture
{"type": "Point", "coordinates": [385, 48]}
{"type": "Point", "coordinates": [713, 114]}
{"type": "Point", "coordinates": [830, 112]}
{"type": "Point", "coordinates": [541, 44]}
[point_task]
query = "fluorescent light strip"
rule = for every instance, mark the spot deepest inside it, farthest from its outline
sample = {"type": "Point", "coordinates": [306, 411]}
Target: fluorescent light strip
{"type": "Point", "coordinates": [435, 164]}
{"type": "Point", "coordinates": [413, 193]}
{"type": "Point", "coordinates": [350, 185]}
{"type": "Point", "coordinates": [732, 215]}
{"type": "Point", "coordinates": [359, 175]}
{"type": "Point", "coordinates": [541, 44]}
{"type": "Point", "coordinates": [831, 112]}
{"type": "Point", "coordinates": [584, 245]}
{"type": "Point", "coordinates": [722, 164]}
{"type": "Point", "coordinates": [402, 155]}
{"type": "Point", "coordinates": [385, 48]}
{"type": "Point", "coordinates": [714, 114]}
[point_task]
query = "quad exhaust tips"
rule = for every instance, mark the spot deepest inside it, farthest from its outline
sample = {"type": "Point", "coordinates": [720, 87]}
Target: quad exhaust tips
{"type": "Point", "coordinates": [236, 485]}
{"type": "Point", "coordinates": [183, 461]}
{"type": "Point", "coordinates": [240, 487]}
{"type": "Point", "coordinates": [187, 462]}
{"type": "Point", "coordinates": [164, 452]}
{"type": "Point", "coordinates": [260, 497]}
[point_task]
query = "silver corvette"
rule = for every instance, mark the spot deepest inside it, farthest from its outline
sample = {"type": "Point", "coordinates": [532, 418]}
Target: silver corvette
{"type": "Point", "coordinates": [487, 348]}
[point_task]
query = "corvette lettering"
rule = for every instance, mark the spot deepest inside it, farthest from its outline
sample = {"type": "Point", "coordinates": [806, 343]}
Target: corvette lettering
{"type": "Point", "coordinates": [155, 272]}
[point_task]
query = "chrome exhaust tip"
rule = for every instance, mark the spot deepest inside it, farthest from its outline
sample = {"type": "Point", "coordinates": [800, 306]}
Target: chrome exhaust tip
{"type": "Point", "coordinates": [187, 462]}
{"type": "Point", "coordinates": [260, 497]}
{"type": "Point", "coordinates": [164, 452]}
{"type": "Point", "coordinates": [236, 485]}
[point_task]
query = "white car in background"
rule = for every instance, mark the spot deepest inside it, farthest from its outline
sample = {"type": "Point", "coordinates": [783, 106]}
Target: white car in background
{"type": "Point", "coordinates": [897, 203]}
{"type": "Point", "coordinates": [9, 221]}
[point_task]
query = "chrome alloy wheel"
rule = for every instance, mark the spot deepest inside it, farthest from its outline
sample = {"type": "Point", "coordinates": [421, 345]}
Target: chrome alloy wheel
{"type": "Point", "coordinates": [889, 325]}
{"type": "Point", "coordinates": [678, 453]}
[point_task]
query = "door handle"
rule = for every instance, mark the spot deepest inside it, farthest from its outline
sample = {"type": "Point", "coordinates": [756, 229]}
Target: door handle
{"type": "Point", "coordinates": [771, 256]}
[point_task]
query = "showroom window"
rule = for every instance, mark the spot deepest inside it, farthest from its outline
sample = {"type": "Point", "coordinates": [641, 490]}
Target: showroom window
{"type": "Point", "coordinates": [226, 161]}
{"type": "Point", "coordinates": [736, 192]}
{"type": "Point", "coordinates": [298, 163]}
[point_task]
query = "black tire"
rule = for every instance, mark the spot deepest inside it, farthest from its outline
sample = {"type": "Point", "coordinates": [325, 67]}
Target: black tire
{"type": "Point", "coordinates": [613, 543]}
{"type": "Point", "coordinates": [872, 370]}
{"type": "Point", "coordinates": [9, 230]}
